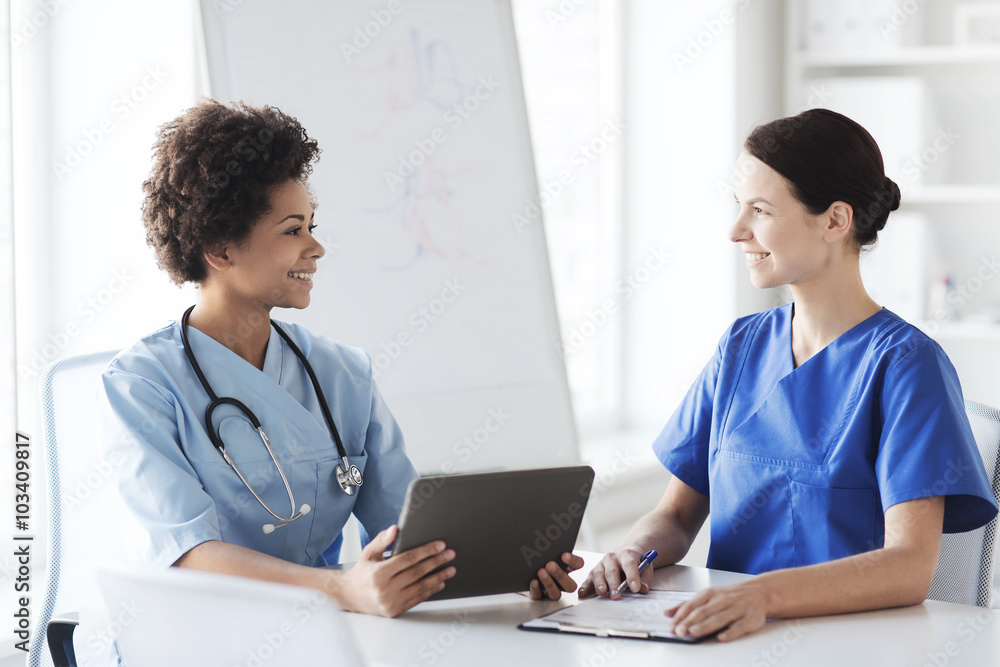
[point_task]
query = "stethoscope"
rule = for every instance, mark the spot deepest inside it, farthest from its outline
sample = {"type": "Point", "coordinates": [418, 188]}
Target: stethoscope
{"type": "Point", "coordinates": [348, 476]}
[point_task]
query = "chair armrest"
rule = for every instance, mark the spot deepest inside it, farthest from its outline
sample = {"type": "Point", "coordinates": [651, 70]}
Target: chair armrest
{"type": "Point", "coordinates": [60, 638]}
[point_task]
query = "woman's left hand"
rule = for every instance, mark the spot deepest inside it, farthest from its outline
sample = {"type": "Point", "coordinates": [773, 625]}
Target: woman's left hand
{"type": "Point", "coordinates": [736, 609]}
{"type": "Point", "coordinates": [553, 580]}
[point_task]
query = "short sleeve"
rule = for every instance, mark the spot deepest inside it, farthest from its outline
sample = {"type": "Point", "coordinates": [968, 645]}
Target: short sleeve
{"type": "Point", "coordinates": [926, 447]}
{"type": "Point", "coordinates": [682, 446]}
{"type": "Point", "coordinates": [157, 485]}
{"type": "Point", "coordinates": [388, 471]}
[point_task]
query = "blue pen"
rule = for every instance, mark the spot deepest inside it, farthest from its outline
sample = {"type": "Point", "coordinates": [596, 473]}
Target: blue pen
{"type": "Point", "coordinates": [647, 558]}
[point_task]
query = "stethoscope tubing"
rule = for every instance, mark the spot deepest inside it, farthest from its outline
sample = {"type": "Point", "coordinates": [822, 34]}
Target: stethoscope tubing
{"type": "Point", "coordinates": [349, 478]}
{"type": "Point", "coordinates": [247, 412]}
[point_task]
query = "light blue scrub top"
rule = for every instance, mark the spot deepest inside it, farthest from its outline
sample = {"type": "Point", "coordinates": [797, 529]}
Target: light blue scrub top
{"type": "Point", "coordinates": [181, 491]}
{"type": "Point", "coordinates": [800, 464]}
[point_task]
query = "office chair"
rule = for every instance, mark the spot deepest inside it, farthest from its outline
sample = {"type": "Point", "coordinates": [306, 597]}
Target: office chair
{"type": "Point", "coordinates": [83, 519]}
{"type": "Point", "coordinates": [965, 566]}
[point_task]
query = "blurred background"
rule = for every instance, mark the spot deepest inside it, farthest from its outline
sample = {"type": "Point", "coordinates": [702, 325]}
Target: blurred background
{"type": "Point", "coordinates": [663, 93]}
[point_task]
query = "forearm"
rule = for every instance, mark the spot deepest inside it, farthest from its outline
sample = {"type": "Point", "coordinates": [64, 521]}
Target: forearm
{"type": "Point", "coordinates": [672, 525]}
{"type": "Point", "coordinates": [890, 577]}
{"type": "Point", "coordinates": [663, 531]}
{"type": "Point", "coordinates": [897, 575]}
{"type": "Point", "coordinates": [232, 559]}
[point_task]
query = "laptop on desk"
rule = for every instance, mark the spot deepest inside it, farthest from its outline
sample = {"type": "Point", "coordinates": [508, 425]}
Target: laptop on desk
{"type": "Point", "coordinates": [178, 617]}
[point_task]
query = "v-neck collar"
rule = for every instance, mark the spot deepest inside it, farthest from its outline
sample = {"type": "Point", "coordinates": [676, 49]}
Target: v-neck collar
{"type": "Point", "coordinates": [272, 354]}
{"type": "Point", "coordinates": [846, 336]}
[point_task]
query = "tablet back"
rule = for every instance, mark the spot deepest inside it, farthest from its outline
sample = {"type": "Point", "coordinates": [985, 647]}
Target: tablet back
{"type": "Point", "coordinates": [503, 526]}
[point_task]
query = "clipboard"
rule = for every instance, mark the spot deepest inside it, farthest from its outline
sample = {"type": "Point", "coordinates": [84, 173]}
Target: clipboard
{"type": "Point", "coordinates": [634, 616]}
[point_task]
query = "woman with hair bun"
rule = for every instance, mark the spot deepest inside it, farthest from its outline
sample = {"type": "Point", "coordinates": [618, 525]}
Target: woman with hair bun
{"type": "Point", "coordinates": [826, 438]}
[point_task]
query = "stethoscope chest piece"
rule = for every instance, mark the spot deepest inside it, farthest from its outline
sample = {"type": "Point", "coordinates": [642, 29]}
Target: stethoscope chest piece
{"type": "Point", "coordinates": [349, 477]}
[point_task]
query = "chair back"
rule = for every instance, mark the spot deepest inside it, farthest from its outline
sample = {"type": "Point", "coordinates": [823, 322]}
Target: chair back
{"type": "Point", "coordinates": [965, 566]}
{"type": "Point", "coordinates": [83, 520]}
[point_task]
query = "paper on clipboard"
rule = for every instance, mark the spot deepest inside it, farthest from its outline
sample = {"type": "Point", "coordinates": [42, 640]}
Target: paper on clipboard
{"type": "Point", "coordinates": [634, 615]}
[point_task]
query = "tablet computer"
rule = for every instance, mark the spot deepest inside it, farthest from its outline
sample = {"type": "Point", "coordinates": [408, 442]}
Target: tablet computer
{"type": "Point", "coordinates": [503, 526]}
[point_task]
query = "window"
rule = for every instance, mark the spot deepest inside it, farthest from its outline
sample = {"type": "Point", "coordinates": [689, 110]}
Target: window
{"type": "Point", "coordinates": [643, 272]}
{"type": "Point", "coordinates": [91, 84]}
{"type": "Point", "coordinates": [570, 66]}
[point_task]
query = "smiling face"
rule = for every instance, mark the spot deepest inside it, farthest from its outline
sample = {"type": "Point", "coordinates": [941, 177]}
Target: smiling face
{"type": "Point", "coordinates": [784, 243]}
{"type": "Point", "coordinates": [274, 266]}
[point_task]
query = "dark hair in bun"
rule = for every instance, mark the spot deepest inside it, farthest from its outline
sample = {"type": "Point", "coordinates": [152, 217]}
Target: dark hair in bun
{"type": "Point", "coordinates": [827, 157]}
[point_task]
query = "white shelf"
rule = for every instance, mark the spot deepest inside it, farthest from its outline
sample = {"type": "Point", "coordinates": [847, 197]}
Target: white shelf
{"type": "Point", "coordinates": [952, 194]}
{"type": "Point", "coordinates": [922, 55]}
{"type": "Point", "coordinates": [959, 207]}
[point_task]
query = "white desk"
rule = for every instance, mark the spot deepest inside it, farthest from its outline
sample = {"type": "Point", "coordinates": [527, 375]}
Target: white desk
{"type": "Point", "coordinates": [483, 631]}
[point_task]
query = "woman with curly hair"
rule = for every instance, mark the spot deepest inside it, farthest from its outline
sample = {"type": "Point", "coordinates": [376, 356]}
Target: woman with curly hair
{"type": "Point", "coordinates": [827, 439]}
{"type": "Point", "coordinates": [227, 207]}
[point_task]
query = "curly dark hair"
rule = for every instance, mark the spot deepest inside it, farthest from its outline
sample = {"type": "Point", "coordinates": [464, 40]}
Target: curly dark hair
{"type": "Point", "coordinates": [213, 169]}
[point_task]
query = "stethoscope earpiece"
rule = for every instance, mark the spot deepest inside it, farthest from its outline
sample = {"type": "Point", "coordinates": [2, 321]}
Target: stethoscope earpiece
{"type": "Point", "coordinates": [269, 527]}
{"type": "Point", "coordinates": [349, 476]}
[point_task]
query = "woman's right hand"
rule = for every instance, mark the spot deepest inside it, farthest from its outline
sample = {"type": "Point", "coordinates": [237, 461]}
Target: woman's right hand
{"type": "Point", "coordinates": [390, 586]}
{"type": "Point", "coordinates": [607, 575]}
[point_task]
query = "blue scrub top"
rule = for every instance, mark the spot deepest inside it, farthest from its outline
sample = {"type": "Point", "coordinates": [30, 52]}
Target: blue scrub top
{"type": "Point", "coordinates": [181, 492]}
{"type": "Point", "coordinates": [800, 464]}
